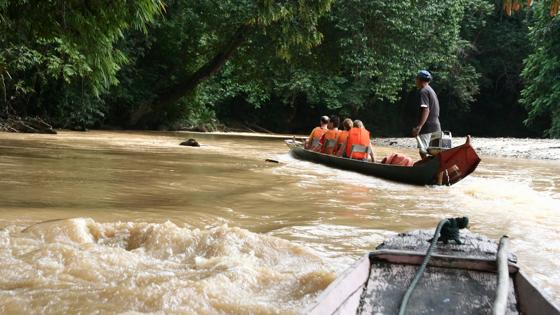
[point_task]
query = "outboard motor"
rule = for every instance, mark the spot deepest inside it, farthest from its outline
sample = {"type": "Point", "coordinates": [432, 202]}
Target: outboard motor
{"type": "Point", "coordinates": [440, 141]}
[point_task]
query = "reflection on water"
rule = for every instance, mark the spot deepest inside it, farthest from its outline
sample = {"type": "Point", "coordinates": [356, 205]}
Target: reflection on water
{"type": "Point", "coordinates": [217, 229]}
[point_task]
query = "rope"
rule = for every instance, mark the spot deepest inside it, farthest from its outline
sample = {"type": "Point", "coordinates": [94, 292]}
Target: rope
{"type": "Point", "coordinates": [420, 272]}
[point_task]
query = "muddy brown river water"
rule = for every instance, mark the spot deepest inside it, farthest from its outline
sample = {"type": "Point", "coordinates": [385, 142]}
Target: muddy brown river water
{"type": "Point", "coordinates": [113, 222]}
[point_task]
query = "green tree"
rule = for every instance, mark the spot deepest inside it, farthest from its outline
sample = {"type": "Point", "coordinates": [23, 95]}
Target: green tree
{"type": "Point", "coordinates": [496, 50]}
{"type": "Point", "coordinates": [370, 52]}
{"type": "Point", "coordinates": [193, 42]}
{"type": "Point", "coordinates": [58, 56]}
{"type": "Point", "coordinates": [541, 94]}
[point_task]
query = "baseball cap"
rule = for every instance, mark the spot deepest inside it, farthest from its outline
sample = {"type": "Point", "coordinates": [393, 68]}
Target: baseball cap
{"type": "Point", "coordinates": [424, 75]}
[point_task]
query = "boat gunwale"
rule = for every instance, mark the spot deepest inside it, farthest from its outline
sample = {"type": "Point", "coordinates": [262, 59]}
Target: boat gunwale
{"type": "Point", "coordinates": [344, 280]}
{"type": "Point", "coordinates": [405, 257]}
{"type": "Point", "coordinates": [525, 286]}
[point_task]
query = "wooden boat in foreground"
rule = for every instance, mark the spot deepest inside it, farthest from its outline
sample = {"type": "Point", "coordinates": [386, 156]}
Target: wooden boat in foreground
{"type": "Point", "coordinates": [445, 168]}
{"type": "Point", "coordinates": [458, 279]}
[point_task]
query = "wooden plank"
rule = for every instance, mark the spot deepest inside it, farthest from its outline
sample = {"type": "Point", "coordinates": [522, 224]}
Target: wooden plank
{"type": "Point", "coordinates": [351, 304]}
{"type": "Point", "coordinates": [342, 292]}
{"type": "Point", "coordinates": [436, 260]}
{"type": "Point", "coordinates": [439, 291]}
{"type": "Point", "coordinates": [474, 245]}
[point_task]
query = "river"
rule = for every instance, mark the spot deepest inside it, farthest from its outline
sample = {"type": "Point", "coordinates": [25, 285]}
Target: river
{"type": "Point", "coordinates": [113, 222]}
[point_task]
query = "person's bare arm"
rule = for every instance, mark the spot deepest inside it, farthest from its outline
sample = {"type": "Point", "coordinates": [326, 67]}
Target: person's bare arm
{"type": "Point", "coordinates": [371, 153]}
{"type": "Point", "coordinates": [425, 111]}
{"type": "Point", "coordinates": [307, 142]}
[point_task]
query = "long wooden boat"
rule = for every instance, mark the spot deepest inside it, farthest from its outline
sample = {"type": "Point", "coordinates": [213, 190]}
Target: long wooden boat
{"type": "Point", "coordinates": [458, 279]}
{"type": "Point", "coordinates": [445, 168]}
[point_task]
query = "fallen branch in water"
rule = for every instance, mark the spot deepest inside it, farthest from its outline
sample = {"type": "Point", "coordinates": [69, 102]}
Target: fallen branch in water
{"type": "Point", "coordinates": [26, 125]}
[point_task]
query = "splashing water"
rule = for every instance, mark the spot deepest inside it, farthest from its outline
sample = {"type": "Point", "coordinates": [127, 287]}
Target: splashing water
{"type": "Point", "coordinates": [79, 265]}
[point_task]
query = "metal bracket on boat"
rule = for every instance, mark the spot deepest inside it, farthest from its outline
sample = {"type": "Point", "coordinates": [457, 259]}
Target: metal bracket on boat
{"type": "Point", "coordinates": [450, 229]}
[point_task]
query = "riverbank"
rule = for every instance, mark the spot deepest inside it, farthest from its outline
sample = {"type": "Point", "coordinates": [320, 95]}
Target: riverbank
{"type": "Point", "coordinates": [524, 148]}
{"type": "Point", "coordinates": [538, 149]}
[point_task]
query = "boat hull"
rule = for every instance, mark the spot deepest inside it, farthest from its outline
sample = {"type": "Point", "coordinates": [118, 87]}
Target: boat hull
{"type": "Point", "coordinates": [423, 173]}
{"type": "Point", "coordinates": [459, 279]}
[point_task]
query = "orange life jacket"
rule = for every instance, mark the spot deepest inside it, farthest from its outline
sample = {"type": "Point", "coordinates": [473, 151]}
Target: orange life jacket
{"type": "Point", "coordinates": [359, 136]}
{"type": "Point", "coordinates": [341, 140]}
{"type": "Point", "coordinates": [314, 142]}
{"type": "Point", "coordinates": [329, 141]}
{"type": "Point", "coordinates": [398, 159]}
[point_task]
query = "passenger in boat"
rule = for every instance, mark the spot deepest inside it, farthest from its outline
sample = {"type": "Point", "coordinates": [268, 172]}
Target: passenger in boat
{"type": "Point", "coordinates": [329, 138]}
{"type": "Point", "coordinates": [314, 140]}
{"type": "Point", "coordinates": [358, 145]}
{"type": "Point", "coordinates": [429, 112]}
{"type": "Point", "coordinates": [347, 124]}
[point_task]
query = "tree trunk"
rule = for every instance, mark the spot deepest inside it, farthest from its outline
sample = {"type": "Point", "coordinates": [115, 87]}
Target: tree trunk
{"type": "Point", "coordinates": [214, 65]}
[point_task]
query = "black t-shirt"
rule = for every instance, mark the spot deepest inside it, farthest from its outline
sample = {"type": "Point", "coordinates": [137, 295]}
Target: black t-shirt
{"type": "Point", "coordinates": [427, 97]}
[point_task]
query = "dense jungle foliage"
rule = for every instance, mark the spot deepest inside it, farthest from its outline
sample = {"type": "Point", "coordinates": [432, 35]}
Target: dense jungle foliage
{"type": "Point", "coordinates": [279, 65]}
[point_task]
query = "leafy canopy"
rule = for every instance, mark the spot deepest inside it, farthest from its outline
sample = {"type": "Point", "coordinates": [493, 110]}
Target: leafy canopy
{"type": "Point", "coordinates": [65, 48]}
{"type": "Point", "coordinates": [541, 94]}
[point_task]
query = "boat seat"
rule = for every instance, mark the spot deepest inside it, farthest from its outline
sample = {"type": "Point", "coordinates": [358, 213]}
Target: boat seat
{"type": "Point", "coordinates": [315, 144]}
{"type": "Point", "coordinates": [329, 144]}
{"type": "Point", "coordinates": [356, 148]}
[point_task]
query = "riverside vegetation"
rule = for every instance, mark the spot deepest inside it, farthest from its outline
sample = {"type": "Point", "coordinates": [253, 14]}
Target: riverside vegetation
{"type": "Point", "coordinates": [277, 65]}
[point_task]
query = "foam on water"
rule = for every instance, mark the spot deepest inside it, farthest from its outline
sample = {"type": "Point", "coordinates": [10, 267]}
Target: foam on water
{"type": "Point", "coordinates": [515, 198]}
{"type": "Point", "coordinates": [79, 265]}
{"type": "Point", "coordinates": [506, 206]}
{"type": "Point", "coordinates": [346, 243]}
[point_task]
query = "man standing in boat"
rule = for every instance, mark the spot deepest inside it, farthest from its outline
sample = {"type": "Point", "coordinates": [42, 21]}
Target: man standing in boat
{"type": "Point", "coordinates": [428, 121]}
